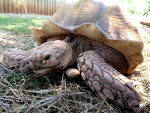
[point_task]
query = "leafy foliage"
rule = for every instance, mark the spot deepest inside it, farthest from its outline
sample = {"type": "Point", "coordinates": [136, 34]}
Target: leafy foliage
{"type": "Point", "coordinates": [136, 6]}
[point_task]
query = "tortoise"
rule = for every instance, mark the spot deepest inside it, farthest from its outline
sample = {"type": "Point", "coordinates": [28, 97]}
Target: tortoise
{"type": "Point", "coordinates": [103, 42]}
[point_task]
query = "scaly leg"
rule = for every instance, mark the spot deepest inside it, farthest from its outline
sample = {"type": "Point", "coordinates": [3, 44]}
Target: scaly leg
{"type": "Point", "coordinates": [17, 60]}
{"type": "Point", "coordinates": [106, 81]}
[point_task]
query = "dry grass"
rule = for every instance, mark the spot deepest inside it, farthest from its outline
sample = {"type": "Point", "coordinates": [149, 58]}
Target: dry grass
{"type": "Point", "coordinates": [22, 93]}
{"type": "Point", "coordinates": [141, 77]}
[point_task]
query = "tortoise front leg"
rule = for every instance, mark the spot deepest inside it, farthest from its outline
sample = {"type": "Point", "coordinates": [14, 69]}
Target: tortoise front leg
{"type": "Point", "coordinates": [17, 60]}
{"type": "Point", "coordinates": [107, 81]}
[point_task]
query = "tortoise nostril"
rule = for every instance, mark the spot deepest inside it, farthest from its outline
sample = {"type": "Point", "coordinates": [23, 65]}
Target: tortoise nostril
{"type": "Point", "coordinates": [47, 57]}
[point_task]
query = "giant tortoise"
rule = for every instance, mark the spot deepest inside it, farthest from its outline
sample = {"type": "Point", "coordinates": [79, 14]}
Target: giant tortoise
{"type": "Point", "coordinates": [103, 42]}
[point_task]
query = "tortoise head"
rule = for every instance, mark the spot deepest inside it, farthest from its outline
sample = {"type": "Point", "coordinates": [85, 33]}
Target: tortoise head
{"type": "Point", "coordinates": [52, 56]}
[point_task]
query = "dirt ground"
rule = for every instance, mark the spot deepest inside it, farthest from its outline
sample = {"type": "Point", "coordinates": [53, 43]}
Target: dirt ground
{"type": "Point", "coordinates": [22, 93]}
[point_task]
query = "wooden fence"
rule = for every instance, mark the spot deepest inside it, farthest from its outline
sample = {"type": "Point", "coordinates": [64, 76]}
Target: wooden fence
{"type": "Point", "coordinates": [42, 7]}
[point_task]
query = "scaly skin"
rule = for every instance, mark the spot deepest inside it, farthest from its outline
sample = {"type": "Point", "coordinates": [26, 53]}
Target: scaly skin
{"type": "Point", "coordinates": [106, 81]}
{"type": "Point", "coordinates": [17, 60]}
{"type": "Point", "coordinates": [100, 68]}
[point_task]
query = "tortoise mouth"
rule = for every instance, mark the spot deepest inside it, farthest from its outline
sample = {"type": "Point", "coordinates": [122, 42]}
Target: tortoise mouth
{"type": "Point", "coordinates": [45, 71]}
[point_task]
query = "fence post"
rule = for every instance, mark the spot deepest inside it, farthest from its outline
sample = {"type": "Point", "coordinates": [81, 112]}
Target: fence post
{"type": "Point", "coordinates": [43, 7]}
{"type": "Point", "coordinates": [2, 6]}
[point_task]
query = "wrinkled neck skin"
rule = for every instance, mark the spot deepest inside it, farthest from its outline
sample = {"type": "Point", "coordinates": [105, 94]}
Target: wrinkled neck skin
{"type": "Point", "coordinates": [78, 44]}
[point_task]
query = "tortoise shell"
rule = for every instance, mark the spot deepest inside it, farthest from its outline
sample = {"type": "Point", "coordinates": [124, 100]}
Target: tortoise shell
{"type": "Point", "coordinates": [97, 21]}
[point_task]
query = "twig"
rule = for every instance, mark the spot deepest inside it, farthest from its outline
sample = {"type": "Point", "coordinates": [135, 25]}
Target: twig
{"type": "Point", "coordinates": [51, 99]}
{"type": "Point", "coordinates": [41, 91]}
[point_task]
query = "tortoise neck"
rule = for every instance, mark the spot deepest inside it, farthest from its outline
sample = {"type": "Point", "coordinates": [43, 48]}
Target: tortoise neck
{"type": "Point", "coordinates": [78, 44]}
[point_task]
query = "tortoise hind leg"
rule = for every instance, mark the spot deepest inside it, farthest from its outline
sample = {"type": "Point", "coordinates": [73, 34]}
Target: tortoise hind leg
{"type": "Point", "coordinates": [17, 60]}
{"type": "Point", "coordinates": [107, 81]}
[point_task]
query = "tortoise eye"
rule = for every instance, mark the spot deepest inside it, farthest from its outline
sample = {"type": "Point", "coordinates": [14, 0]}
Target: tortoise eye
{"type": "Point", "coordinates": [47, 57]}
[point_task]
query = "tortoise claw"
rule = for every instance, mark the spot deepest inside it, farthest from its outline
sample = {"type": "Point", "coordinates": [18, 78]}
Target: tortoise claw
{"type": "Point", "coordinates": [72, 73]}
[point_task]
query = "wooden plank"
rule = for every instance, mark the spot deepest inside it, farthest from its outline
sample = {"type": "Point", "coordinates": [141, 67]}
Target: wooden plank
{"type": "Point", "coordinates": [46, 7]}
{"type": "Point", "coordinates": [29, 6]}
{"type": "Point", "coordinates": [22, 7]}
{"type": "Point", "coordinates": [56, 5]}
{"type": "Point", "coordinates": [27, 1]}
{"type": "Point", "coordinates": [25, 5]}
{"type": "Point", "coordinates": [17, 7]}
{"type": "Point", "coordinates": [36, 8]}
{"type": "Point", "coordinates": [49, 7]}
{"type": "Point", "coordinates": [43, 8]}
{"type": "Point", "coordinates": [40, 6]}
{"type": "Point", "coordinates": [33, 6]}
{"type": "Point", "coordinates": [52, 6]}
{"type": "Point", "coordinates": [13, 6]}
{"type": "Point", "coordinates": [6, 10]}
{"type": "Point", "coordinates": [2, 6]}
{"type": "Point", "coordinates": [8, 3]}
{"type": "Point", "coordinates": [59, 2]}
{"type": "Point", "coordinates": [5, 6]}
{"type": "Point", "coordinates": [10, 6]}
